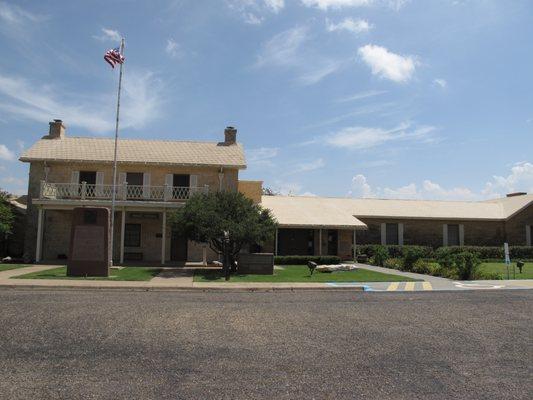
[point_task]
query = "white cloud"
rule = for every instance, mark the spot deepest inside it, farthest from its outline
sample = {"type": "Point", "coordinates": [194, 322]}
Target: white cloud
{"type": "Point", "coordinates": [262, 156]}
{"type": "Point", "coordinates": [14, 15]}
{"type": "Point", "coordinates": [361, 95]}
{"type": "Point", "coordinates": [519, 180]}
{"type": "Point", "coordinates": [253, 11]}
{"type": "Point", "coordinates": [358, 137]}
{"type": "Point", "coordinates": [142, 100]}
{"type": "Point", "coordinates": [108, 35]}
{"type": "Point", "coordinates": [441, 83]}
{"type": "Point", "coordinates": [172, 48]}
{"type": "Point", "coordinates": [6, 154]}
{"type": "Point", "coordinates": [11, 180]}
{"type": "Point", "coordinates": [388, 65]}
{"type": "Point", "coordinates": [336, 4]}
{"type": "Point", "coordinates": [349, 24]}
{"type": "Point", "coordinates": [281, 50]}
{"type": "Point", "coordinates": [285, 50]}
{"type": "Point", "coordinates": [428, 191]}
{"type": "Point", "coordinates": [306, 166]}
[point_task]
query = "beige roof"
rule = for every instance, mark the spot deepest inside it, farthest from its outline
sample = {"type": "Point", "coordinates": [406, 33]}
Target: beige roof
{"type": "Point", "coordinates": [308, 212]}
{"type": "Point", "coordinates": [137, 151]}
{"type": "Point", "coordinates": [325, 211]}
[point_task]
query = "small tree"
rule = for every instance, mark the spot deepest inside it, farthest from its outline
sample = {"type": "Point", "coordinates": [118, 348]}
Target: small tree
{"type": "Point", "coordinates": [6, 215]}
{"type": "Point", "coordinates": [227, 221]}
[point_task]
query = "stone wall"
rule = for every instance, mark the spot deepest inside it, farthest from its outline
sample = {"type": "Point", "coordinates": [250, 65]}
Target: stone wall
{"type": "Point", "coordinates": [515, 227]}
{"type": "Point", "coordinates": [430, 232]}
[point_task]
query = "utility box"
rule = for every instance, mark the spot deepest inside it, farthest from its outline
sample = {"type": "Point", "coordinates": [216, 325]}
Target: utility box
{"type": "Point", "coordinates": [256, 264]}
{"type": "Point", "coordinates": [89, 242]}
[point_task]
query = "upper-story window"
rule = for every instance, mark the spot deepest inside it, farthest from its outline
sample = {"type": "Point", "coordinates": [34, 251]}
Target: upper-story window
{"type": "Point", "coordinates": [88, 177]}
{"type": "Point", "coordinates": [134, 178]}
{"type": "Point", "coordinates": [181, 180]}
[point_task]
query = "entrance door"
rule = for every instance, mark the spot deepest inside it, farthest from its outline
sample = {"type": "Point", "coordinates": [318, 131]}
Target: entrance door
{"type": "Point", "coordinates": [333, 240]}
{"type": "Point", "coordinates": [178, 247]}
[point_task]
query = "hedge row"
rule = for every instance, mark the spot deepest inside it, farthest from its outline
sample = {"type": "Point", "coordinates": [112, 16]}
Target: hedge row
{"type": "Point", "coordinates": [483, 252]}
{"type": "Point", "coordinates": [303, 260]}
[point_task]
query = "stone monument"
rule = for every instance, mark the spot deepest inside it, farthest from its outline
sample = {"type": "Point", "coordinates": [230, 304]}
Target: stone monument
{"type": "Point", "coordinates": [89, 242]}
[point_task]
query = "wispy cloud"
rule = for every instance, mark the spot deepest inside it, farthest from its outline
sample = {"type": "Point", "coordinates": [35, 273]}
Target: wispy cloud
{"type": "Point", "coordinates": [108, 35]}
{"type": "Point", "coordinates": [361, 95]}
{"type": "Point", "coordinates": [21, 98]}
{"type": "Point", "coordinates": [172, 48]}
{"type": "Point", "coordinates": [352, 25]}
{"type": "Point", "coordinates": [262, 156]}
{"type": "Point", "coordinates": [326, 5]}
{"type": "Point", "coordinates": [306, 166]}
{"type": "Point", "coordinates": [358, 137]}
{"type": "Point", "coordinates": [387, 64]}
{"type": "Point", "coordinates": [285, 50]}
{"type": "Point", "coordinates": [441, 83]}
{"type": "Point", "coordinates": [520, 178]}
{"type": "Point", "coordinates": [253, 11]}
{"type": "Point", "coordinates": [15, 15]}
{"type": "Point", "coordinates": [6, 154]}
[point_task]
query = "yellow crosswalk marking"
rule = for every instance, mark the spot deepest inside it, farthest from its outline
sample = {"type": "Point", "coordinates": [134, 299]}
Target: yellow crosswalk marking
{"type": "Point", "coordinates": [427, 286]}
{"type": "Point", "coordinates": [410, 286]}
{"type": "Point", "coordinates": [393, 286]}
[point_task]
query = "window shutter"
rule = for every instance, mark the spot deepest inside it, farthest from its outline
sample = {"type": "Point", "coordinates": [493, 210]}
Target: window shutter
{"type": "Point", "coordinates": [75, 181]}
{"type": "Point", "coordinates": [169, 178]}
{"type": "Point", "coordinates": [99, 190]}
{"type": "Point", "coordinates": [121, 181]}
{"type": "Point", "coordinates": [383, 233]}
{"type": "Point", "coordinates": [445, 235]}
{"type": "Point", "coordinates": [400, 234]}
{"type": "Point", "coordinates": [146, 185]}
{"type": "Point", "coordinates": [528, 235]}
{"type": "Point", "coordinates": [193, 181]}
{"type": "Point", "coordinates": [461, 235]}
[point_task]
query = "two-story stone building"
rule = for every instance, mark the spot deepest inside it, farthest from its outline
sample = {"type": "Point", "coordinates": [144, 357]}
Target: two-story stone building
{"type": "Point", "coordinates": [154, 178]}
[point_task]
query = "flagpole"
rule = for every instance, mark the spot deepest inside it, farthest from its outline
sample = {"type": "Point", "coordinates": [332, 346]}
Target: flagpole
{"type": "Point", "coordinates": [113, 195]}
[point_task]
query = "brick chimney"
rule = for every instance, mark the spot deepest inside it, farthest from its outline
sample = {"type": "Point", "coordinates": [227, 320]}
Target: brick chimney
{"type": "Point", "coordinates": [57, 130]}
{"type": "Point", "coordinates": [230, 135]}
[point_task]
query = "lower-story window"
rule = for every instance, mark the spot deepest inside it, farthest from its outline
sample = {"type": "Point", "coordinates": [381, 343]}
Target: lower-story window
{"type": "Point", "coordinates": [391, 236]}
{"type": "Point", "coordinates": [453, 235]}
{"type": "Point", "coordinates": [132, 235]}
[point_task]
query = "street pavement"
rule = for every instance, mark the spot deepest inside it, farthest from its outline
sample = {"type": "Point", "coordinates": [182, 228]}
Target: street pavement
{"type": "Point", "coordinates": [66, 344]}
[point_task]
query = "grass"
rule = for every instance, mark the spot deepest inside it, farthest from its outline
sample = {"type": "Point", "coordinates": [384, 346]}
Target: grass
{"type": "Point", "coordinates": [300, 273]}
{"type": "Point", "coordinates": [500, 268]}
{"type": "Point", "coordinates": [5, 267]}
{"type": "Point", "coordinates": [124, 274]}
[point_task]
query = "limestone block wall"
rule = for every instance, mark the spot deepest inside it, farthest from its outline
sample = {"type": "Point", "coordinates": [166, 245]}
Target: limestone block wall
{"type": "Point", "coordinates": [252, 190]}
{"type": "Point", "coordinates": [515, 227]}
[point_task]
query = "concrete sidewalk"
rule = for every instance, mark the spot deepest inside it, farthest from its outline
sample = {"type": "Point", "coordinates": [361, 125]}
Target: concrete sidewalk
{"type": "Point", "coordinates": [182, 279]}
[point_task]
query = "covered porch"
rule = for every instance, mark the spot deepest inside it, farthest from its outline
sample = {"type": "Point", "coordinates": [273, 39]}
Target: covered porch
{"type": "Point", "coordinates": [142, 235]}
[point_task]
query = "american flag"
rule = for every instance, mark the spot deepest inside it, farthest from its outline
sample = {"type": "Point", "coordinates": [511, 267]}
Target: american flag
{"type": "Point", "coordinates": [113, 57]}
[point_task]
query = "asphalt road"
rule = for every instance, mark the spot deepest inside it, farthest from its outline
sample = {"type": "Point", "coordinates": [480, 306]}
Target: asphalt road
{"type": "Point", "coordinates": [308, 345]}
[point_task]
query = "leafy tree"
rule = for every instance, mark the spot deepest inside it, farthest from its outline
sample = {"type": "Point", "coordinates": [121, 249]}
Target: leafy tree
{"type": "Point", "coordinates": [269, 192]}
{"type": "Point", "coordinates": [227, 221]}
{"type": "Point", "coordinates": [6, 214]}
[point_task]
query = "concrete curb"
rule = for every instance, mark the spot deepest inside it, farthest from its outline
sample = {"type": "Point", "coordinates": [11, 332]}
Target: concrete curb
{"type": "Point", "coordinates": [184, 289]}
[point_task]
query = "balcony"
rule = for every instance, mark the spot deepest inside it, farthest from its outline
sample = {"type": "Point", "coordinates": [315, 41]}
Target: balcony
{"type": "Point", "coordinates": [124, 192]}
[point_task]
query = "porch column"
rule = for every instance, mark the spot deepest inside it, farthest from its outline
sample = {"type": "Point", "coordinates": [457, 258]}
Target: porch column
{"type": "Point", "coordinates": [204, 254]}
{"type": "Point", "coordinates": [38, 247]}
{"type": "Point", "coordinates": [276, 244]}
{"type": "Point", "coordinates": [122, 233]}
{"type": "Point", "coordinates": [163, 237]}
{"type": "Point", "coordinates": [320, 242]}
{"type": "Point", "coordinates": [354, 246]}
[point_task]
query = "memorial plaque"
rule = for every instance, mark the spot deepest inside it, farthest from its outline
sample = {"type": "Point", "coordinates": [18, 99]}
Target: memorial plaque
{"type": "Point", "coordinates": [89, 242]}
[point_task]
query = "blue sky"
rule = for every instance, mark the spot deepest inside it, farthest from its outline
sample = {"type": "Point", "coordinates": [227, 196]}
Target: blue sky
{"type": "Point", "coordinates": [375, 98]}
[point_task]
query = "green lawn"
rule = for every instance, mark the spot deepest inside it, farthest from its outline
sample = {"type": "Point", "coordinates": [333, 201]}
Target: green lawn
{"type": "Point", "coordinates": [125, 274]}
{"type": "Point", "coordinates": [5, 267]}
{"type": "Point", "coordinates": [499, 267]}
{"type": "Point", "coordinates": [300, 273]}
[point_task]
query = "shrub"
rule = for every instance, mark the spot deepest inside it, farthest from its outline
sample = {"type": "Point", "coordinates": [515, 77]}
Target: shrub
{"type": "Point", "coordinates": [410, 256]}
{"type": "Point", "coordinates": [393, 263]}
{"type": "Point", "coordinates": [303, 260]}
{"type": "Point", "coordinates": [467, 264]}
{"type": "Point", "coordinates": [422, 267]}
{"type": "Point", "coordinates": [395, 251]}
{"type": "Point", "coordinates": [488, 275]}
{"type": "Point", "coordinates": [445, 257]}
{"type": "Point", "coordinates": [525, 252]}
{"type": "Point", "coordinates": [380, 254]}
{"type": "Point", "coordinates": [494, 252]}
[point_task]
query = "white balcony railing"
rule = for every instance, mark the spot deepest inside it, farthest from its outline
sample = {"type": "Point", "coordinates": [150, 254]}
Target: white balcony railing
{"type": "Point", "coordinates": [84, 191]}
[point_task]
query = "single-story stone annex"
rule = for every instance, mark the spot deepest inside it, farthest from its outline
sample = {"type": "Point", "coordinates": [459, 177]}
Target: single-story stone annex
{"type": "Point", "coordinates": [156, 177]}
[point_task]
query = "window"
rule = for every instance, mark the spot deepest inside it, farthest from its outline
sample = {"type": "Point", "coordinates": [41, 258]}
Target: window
{"type": "Point", "coordinates": [132, 235]}
{"type": "Point", "coordinates": [453, 235]}
{"type": "Point", "coordinates": [88, 177]}
{"type": "Point", "coordinates": [391, 234]}
{"type": "Point", "coordinates": [134, 178]}
{"type": "Point", "coordinates": [181, 180]}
